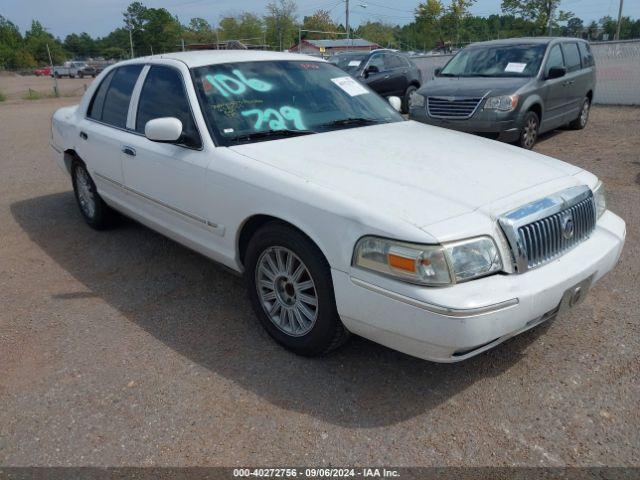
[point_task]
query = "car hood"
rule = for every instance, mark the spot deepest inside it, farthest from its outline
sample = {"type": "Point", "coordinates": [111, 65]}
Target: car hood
{"type": "Point", "coordinates": [472, 86]}
{"type": "Point", "coordinates": [420, 173]}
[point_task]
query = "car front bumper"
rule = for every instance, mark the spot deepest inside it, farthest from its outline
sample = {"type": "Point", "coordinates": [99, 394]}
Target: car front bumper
{"type": "Point", "coordinates": [455, 323]}
{"type": "Point", "coordinates": [492, 124]}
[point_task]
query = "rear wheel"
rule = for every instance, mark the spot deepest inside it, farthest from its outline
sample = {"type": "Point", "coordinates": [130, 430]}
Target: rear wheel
{"type": "Point", "coordinates": [411, 90]}
{"type": "Point", "coordinates": [290, 288]}
{"type": "Point", "coordinates": [94, 210]}
{"type": "Point", "coordinates": [581, 122]}
{"type": "Point", "coordinates": [529, 131]}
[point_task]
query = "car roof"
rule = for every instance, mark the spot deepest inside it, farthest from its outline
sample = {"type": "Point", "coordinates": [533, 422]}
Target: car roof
{"type": "Point", "coordinates": [211, 57]}
{"type": "Point", "coordinates": [522, 41]}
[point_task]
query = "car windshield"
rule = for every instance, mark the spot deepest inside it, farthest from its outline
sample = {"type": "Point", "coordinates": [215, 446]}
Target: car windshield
{"type": "Point", "coordinates": [257, 101]}
{"type": "Point", "coordinates": [348, 63]}
{"type": "Point", "coordinates": [496, 61]}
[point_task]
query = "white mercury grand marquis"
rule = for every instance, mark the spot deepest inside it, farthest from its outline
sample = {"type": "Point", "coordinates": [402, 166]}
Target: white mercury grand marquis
{"type": "Point", "coordinates": [342, 216]}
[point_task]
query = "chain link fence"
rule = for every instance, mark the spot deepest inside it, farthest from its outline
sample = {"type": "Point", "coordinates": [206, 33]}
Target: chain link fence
{"type": "Point", "coordinates": [617, 71]}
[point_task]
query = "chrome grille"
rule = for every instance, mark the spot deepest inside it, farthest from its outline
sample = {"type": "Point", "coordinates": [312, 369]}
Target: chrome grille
{"type": "Point", "coordinates": [547, 238]}
{"type": "Point", "coordinates": [546, 229]}
{"type": "Point", "coordinates": [452, 107]}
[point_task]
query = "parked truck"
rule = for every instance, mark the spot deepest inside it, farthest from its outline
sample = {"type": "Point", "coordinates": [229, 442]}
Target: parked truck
{"type": "Point", "coordinates": [72, 69]}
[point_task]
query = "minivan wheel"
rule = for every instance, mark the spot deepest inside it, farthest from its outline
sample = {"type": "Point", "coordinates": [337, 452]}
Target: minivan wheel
{"type": "Point", "coordinates": [581, 122]}
{"type": "Point", "coordinates": [291, 291]}
{"type": "Point", "coordinates": [529, 132]}
{"type": "Point", "coordinates": [407, 96]}
{"type": "Point", "coordinates": [94, 210]}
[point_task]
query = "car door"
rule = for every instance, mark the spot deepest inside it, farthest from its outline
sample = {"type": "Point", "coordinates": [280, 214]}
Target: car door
{"type": "Point", "coordinates": [555, 95]}
{"type": "Point", "coordinates": [166, 180]}
{"type": "Point", "coordinates": [397, 69]}
{"type": "Point", "coordinates": [101, 130]}
{"type": "Point", "coordinates": [378, 81]}
{"type": "Point", "coordinates": [575, 80]}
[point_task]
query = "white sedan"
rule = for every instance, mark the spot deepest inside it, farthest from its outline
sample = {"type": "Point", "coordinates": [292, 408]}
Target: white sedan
{"type": "Point", "coordinates": [342, 216]}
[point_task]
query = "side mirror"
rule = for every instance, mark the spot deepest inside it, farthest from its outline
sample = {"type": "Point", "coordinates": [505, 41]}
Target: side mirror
{"type": "Point", "coordinates": [164, 129]}
{"type": "Point", "coordinates": [556, 72]}
{"type": "Point", "coordinates": [396, 103]}
{"type": "Point", "coordinates": [437, 71]}
{"type": "Point", "coordinates": [371, 69]}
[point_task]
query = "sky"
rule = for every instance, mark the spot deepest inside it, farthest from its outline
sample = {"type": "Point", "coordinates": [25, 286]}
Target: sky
{"type": "Point", "coordinates": [99, 17]}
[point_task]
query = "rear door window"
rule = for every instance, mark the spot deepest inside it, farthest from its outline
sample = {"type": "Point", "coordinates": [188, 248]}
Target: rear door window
{"type": "Point", "coordinates": [572, 56]}
{"type": "Point", "coordinates": [555, 58]}
{"type": "Point", "coordinates": [164, 95]}
{"type": "Point", "coordinates": [393, 61]}
{"type": "Point", "coordinates": [116, 102]}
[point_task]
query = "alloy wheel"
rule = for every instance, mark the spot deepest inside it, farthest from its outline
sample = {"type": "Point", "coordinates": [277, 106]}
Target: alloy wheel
{"type": "Point", "coordinates": [584, 114]}
{"type": "Point", "coordinates": [530, 132]}
{"type": "Point", "coordinates": [287, 291]}
{"type": "Point", "coordinates": [86, 196]}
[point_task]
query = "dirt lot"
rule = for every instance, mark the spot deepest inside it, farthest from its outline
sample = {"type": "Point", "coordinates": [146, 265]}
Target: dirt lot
{"type": "Point", "coordinates": [124, 348]}
{"type": "Point", "coordinates": [16, 87]}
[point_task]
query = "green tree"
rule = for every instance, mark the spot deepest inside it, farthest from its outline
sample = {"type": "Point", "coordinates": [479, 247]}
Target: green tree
{"type": "Point", "coordinates": [321, 21]}
{"type": "Point", "coordinates": [281, 23]}
{"type": "Point", "coordinates": [36, 40]}
{"type": "Point", "coordinates": [575, 26]}
{"type": "Point", "coordinates": [537, 11]}
{"type": "Point", "coordinates": [383, 34]}
{"type": "Point", "coordinates": [198, 31]}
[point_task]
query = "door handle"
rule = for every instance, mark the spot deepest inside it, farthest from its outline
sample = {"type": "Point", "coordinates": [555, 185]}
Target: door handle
{"type": "Point", "coordinates": [129, 151]}
{"type": "Point", "coordinates": [84, 136]}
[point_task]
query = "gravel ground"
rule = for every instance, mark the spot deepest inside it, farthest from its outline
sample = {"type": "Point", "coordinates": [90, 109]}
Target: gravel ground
{"type": "Point", "coordinates": [124, 348]}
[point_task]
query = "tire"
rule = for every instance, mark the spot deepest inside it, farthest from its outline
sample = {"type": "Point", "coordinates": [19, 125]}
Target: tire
{"type": "Point", "coordinates": [81, 75]}
{"type": "Point", "coordinates": [94, 210]}
{"type": "Point", "coordinates": [56, 75]}
{"type": "Point", "coordinates": [286, 274]}
{"type": "Point", "coordinates": [583, 117]}
{"type": "Point", "coordinates": [72, 76]}
{"type": "Point", "coordinates": [407, 95]}
{"type": "Point", "coordinates": [529, 131]}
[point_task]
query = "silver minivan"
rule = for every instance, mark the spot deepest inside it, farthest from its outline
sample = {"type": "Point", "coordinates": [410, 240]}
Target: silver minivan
{"type": "Point", "coordinates": [511, 90]}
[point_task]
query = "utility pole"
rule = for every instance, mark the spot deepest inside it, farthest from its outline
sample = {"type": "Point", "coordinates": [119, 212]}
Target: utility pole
{"type": "Point", "coordinates": [56, 92]}
{"type": "Point", "coordinates": [183, 44]}
{"type": "Point", "coordinates": [617, 37]}
{"type": "Point", "coordinates": [131, 39]}
{"type": "Point", "coordinates": [550, 18]}
{"type": "Point", "coordinates": [347, 22]}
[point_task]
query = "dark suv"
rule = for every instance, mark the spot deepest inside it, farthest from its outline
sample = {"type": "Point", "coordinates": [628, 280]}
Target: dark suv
{"type": "Point", "coordinates": [511, 90]}
{"type": "Point", "coordinates": [385, 71]}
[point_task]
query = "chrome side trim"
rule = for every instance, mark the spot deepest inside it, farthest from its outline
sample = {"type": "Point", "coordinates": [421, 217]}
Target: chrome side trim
{"type": "Point", "coordinates": [511, 221]}
{"type": "Point", "coordinates": [214, 227]}
{"type": "Point", "coordinates": [55, 147]}
{"type": "Point", "coordinates": [437, 309]}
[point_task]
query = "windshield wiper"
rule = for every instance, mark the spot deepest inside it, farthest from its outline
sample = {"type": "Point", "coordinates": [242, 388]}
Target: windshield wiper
{"type": "Point", "coordinates": [352, 121]}
{"type": "Point", "coordinates": [271, 133]}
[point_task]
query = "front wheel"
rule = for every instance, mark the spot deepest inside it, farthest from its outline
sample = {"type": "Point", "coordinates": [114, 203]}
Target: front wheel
{"type": "Point", "coordinates": [581, 122]}
{"type": "Point", "coordinates": [529, 131]}
{"type": "Point", "coordinates": [290, 288]}
{"type": "Point", "coordinates": [93, 209]}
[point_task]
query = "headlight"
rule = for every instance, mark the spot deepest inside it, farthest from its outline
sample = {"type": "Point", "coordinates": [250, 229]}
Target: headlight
{"type": "Point", "coordinates": [505, 103]}
{"type": "Point", "coordinates": [416, 100]}
{"type": "Point", "coordinates": [428, 264]}
{"type": "Point", "coordinates": [600, 199]}
{"type": "Point", "coordinates": [473, 258]}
